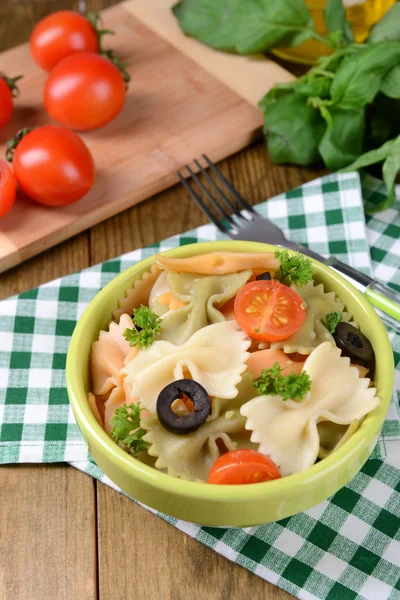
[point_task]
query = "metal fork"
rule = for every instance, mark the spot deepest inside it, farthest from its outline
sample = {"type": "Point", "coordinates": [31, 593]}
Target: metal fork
{"type": "Point", "coordinates": [238, 220]}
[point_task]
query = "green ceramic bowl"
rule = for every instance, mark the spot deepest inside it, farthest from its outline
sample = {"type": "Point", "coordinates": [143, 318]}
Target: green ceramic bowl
{"type": "Point", "coordinates": [236, 505]}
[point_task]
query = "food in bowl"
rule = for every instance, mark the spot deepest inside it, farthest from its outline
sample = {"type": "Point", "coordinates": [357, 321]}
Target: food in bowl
{"type": "Point", "coordinates": [231, 368]}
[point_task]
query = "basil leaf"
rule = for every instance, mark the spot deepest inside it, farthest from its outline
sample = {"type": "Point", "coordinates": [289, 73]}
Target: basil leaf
{"type": "Point", "coordinates": [388, 28]}
{"type": "Point", "coordinates": [385, 120]}
{"type": "Point", "coordinates": [342, 142]}
{"type": "Point", "coordinates": [391, 83]}
{"type": "Point", "coordinates": [246, 27]}
{"type": "Point", "coordinates": [210, 22]}
{"type": "Point", "coordinates": [265, 24]}
{"type": "Point", "coordinates": [335, 19]}
{"type": "Point", "coordinates": [390, 169]}
{"type": "Point", "coordinates": [390, 154]}
{"type": "Point", "coordinates": [359, 76]}
{"type": "Point", "coordinates": [293, 129]}
{"type": "Point", "coordinates": [178, 9]}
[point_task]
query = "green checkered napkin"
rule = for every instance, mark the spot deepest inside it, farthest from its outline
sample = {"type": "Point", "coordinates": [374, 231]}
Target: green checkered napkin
{"type": "Point", "coordinates": [346, 547]}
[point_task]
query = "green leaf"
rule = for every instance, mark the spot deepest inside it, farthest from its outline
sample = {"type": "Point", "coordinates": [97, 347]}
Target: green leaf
{"type": "Point", "coordinates": [266, 24]}
{"type": "Point", "coordinates": [390, 170]}
{"type": "Point", "coordinates": [295, 268]}
{"type": "Point", "coordinates": [390, 154]}
{"type": "Point", "coordinates": [384, 121]}
{"type": "Point", "coordinates": [335, 19]}
{"type": "Point", "coordinates": [246, 27]}
{"type": "Point", "coordinates": [391, 83]}
{"type": "Point", "coordinates": [146, 326]}
{"type": "Point", "coordinates": [342, 142]}
{"type": "Point", "coordinates": [293, 129]}
{"type": "Point", "coordinates": [271, 382]}
{"type": "Point", "coordinates": [126, 428]}
{"type": "Point", "coordinates": [388, 28]}
{"type": "Point", "coordinates": [332, 320]}
{"type": "Point", "coordinates": [360, 75]}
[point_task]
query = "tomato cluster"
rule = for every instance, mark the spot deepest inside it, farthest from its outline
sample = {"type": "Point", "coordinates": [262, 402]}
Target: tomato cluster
{"type": "Point", "coordinates": [85, 90]}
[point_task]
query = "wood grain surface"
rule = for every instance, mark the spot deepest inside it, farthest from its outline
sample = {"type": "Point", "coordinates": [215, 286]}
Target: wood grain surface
{"type": "Point", "coordinates": [181, 101]}
{"type": "Point", "coordinates": [63, 535]}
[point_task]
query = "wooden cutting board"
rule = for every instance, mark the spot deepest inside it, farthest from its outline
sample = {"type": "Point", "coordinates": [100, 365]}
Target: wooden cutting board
{"type": "Point", "coordinates": [184, 100]}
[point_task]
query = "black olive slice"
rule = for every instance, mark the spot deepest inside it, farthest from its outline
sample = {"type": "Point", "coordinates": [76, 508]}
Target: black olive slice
{"type": "Point", "coordinates": [264, 276]}
{"type": "Point", "coordinates": [354, 344]}
{"type": "Point", "coordinates": [186, 423]}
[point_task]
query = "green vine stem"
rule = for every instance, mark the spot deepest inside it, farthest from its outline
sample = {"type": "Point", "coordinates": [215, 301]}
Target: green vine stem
{"type": "Point", "coordinates": [13, 143]}
{"type": "Point", "coordinates": [12, 83]}
{"type": "Point", "coordinates": [95, 20]}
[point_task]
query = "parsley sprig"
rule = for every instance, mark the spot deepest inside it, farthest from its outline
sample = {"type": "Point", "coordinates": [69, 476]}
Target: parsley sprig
{"type": "Point", "coordinates": [126, 428]}
{"type": "Point", "coordinates": [146, 326]}
{"type": "Point", "coordinates": [295, 268]}
{"type": "Point", "coordinates": [271, 382]}
{"type": "Point", "coordinates": [332, 320]}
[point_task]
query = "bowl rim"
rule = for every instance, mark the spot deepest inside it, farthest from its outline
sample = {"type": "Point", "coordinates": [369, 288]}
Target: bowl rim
{"type": "Point", "coordinates": [369, 427]}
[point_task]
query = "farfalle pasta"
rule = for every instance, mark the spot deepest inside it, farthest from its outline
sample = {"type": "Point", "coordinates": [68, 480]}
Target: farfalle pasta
{"type": "Point", "coordinates": [218, 368]}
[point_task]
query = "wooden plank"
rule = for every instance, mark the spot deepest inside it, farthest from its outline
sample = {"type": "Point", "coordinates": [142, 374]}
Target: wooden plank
{"type": "Point", "coordinates": [174, 111]}
{"type": "Point", "coordinates": [141, 556]}
{"type": "Point", "coordinates": [47, 542]}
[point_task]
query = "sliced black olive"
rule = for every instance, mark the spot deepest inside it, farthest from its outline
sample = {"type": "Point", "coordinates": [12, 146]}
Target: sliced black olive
{"type": "Point", "coordinates": [264, 276]}
{"type": "Point", "coordinates": [354, 344]}
{"type": "Point", "coordinates": [186, 423]}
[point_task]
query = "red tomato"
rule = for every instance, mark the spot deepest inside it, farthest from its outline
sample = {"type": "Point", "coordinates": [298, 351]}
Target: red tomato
{"type": "Point", "coordinates": [269, 311]}
{"type": "Point", "coordinates": [7, 188]}
{"type": "Point", "coordinates": [60, 34]}
{"type": "Point", "coordinates": [243, 466]}
{"type": "Point", "coordinates": [84, 91]}
{"type": "Point", "coordinates": [53, 166]}
{"type": "Point", "coordinates": [6, 102]}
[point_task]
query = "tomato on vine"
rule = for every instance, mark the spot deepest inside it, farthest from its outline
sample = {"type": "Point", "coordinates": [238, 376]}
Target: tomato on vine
{"type": "Point", "coordinates": [85, 91]}
{"type": "Point", "coordinates": [8, 91]}
{"type": "Point", "coordinates": [52, 165]}
{"type": "Point", "coordinates": [7, 188]}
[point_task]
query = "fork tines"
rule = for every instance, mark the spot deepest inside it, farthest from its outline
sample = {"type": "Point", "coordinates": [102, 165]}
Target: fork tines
{"type": "Point", "coordinates": [228, 209]}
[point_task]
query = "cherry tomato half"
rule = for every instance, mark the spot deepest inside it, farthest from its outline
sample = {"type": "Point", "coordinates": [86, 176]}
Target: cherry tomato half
{"type": "Point", "coordinates": [269, 311]}
{"type": "Point", "coordinates": [84, 91]}
{"type": "Point", "coordinates": [243, 466]}
{"type": "Point", "coordinates": [6, 102]}
{"type": "Point", "coordinates": [60, 34]}
{"type": "Point", "coordinates": [7, 188]}
{"type": "Point", "coordinates": [53, 166]}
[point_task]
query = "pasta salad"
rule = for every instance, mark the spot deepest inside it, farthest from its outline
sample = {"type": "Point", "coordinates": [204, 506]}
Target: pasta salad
{"type": "Point", "coordinates": [231, 368]}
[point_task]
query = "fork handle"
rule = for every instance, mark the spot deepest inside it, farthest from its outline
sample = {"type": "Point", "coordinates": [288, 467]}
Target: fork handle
{"type": "Point", "coordinates": [381, 296]}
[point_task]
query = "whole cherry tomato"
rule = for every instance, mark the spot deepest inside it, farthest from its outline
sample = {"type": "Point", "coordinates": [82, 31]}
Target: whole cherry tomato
{"type": "Point", "coordinates": [8, 90]}
{"type": "Point", "coordinates": [84, 91]}
{"type": "Point", "coordinates": [60, 34]}
{"type": "Point", "coordinates": [7, 188]}
{"type": "Point", "coordinates": [243, 466]}
{"type": "Point", "coordinates": [52, 165]}
{"type": "Point", "coordinates": [269, 311]}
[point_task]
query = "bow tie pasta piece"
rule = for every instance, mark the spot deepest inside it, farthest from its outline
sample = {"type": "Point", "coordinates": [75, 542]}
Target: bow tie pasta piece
{"type": "Point", "coordinates": [214, 356]}
{"type": "Point", "coordinates": [220, 263]}
{"type": "Point", "coordinates": [245, 392]}
{"type": "Point", "coordinates": [108, 356]}
{"type": "Point", "coordinates": [138, 294]}
{"type": "Point", "coordinates": [287, 431]}
{"type": "Point", "coordinates": [312, 333]}
{"type": "Point", "coordinates": [191, 456]}
{"type": "Point", "coordinates": [201, 295]}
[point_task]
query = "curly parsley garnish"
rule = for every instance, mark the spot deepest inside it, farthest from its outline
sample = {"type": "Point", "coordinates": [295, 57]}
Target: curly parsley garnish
{"type": "Point", "coordinates": [271, 382]}
{"type": "Point", "coordinates": [146, 326]}
{"type": "Point", "coordinates": [332, 320]}
{"type": "Point", "coordinates": [126, 428]}
{"type": "Point", "coordinates": [295, 268]}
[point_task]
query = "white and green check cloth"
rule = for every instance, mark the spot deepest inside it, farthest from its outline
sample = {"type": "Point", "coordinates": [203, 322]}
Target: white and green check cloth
{"type": "Point", "coordinates": [348, 546]}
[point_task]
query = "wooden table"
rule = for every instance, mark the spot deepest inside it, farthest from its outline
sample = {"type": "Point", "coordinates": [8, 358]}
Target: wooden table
{"type": "Point", "coordinates": [62, 534]}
